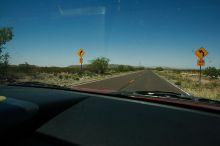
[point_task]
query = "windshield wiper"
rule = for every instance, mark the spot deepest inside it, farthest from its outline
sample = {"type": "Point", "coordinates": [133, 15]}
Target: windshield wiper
{"type": "Point", "coordinates": [176, 95]}
{"type": "Point", "coordinates": [164, 94]}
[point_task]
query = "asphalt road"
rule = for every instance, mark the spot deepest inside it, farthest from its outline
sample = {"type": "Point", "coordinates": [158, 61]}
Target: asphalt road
{"type": "Point", "coordinates": [145, 80]}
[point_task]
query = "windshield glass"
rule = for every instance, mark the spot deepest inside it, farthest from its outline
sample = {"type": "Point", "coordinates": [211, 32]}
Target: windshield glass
{"type": "Point", "coordinates": [113, 45]}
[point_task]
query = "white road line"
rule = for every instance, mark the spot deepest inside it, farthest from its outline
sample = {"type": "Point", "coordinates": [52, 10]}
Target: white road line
{"type": "Point", "coordinates": [172, 84]}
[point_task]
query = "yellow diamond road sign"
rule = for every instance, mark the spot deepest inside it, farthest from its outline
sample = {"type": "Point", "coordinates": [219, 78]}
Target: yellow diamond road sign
{"type": "Point", "coordinates": [201, 53]}
{"type": "Point", "coordinates": [81, 53]}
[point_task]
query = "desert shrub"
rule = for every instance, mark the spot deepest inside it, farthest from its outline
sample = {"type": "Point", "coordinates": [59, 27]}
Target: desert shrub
{"type": "Point", "coordinates": [61, 77]}
{"type": "Point", "coordinates": [159, 69]}
{"type": "Point", "coordinates": [66, 77]}
{"type": "Point", "coordinates": [99, 65]}
{"type": "Point", "coordinates": [177, 71]}
{"type": "Point", "coordinates": [211, 72]}
{"type": "Point", "coordinates": [178, 83]}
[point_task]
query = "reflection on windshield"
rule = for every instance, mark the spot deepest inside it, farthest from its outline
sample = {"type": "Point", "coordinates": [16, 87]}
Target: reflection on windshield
{"type": "Point", "coordinates": [113, 45]}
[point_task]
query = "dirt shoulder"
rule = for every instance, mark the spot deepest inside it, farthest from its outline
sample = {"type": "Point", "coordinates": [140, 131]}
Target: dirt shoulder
{"type": "Point", "coordinates": [189, 82]}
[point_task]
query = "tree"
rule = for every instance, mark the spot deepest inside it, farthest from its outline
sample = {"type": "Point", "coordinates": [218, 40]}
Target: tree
{"type": "Point", "coordinates": [4, 65]}
{"type": "Point", "coordinates": [159, 69]}
{"type": "Point", "coordinates": [6, 34]}
{"type": "Point", "coordinates": [25, 68]}
{"type": "Point", "coordinates": [211, 71]}
{"type": "Point", "coordinates": [99, 65]}
{"type": "Point", "coordinates": [130, 68]}
{"type": "Point", "coordinates": [120, 68]}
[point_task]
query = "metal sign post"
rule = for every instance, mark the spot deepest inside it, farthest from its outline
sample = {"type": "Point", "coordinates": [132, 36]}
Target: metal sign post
{"type": "Point", "coordinates": [200, 63]}
{"type": "Point", "coordinates": [200, 74]}
{"type": "Point", "coordinates": [81, 62]}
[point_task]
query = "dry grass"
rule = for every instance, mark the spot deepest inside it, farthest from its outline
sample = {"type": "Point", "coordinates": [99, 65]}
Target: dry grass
{"type": "Point", "coordinates": [67, 79]}
{"type": "Point", "coordinates": [189, 82]}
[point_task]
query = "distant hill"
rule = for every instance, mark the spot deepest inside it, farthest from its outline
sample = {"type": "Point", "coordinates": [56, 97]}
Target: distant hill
{"type": "Point", "coordinates": [70, 66]}
{"type": "Point", "coordinates": [110, 65]}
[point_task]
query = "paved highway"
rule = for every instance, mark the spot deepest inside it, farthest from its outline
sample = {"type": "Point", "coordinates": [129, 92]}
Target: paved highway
{"type": "Point", "coordinates": [143, 80]}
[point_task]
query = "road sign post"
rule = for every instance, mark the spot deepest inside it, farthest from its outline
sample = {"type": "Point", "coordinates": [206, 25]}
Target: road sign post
{"type": "Point", "coordinates": [201, 53]}
{"type": "Point", "coordinates": [200, 63]}
{"type": "Point", "coordinates": [81, 62]}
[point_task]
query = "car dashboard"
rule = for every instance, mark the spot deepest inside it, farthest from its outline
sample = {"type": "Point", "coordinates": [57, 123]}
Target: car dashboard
{"type": "Point", "coordinates": [44, 116]}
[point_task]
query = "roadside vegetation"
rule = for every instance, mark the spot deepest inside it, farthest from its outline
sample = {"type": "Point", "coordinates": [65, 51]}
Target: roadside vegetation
{"type": "Point", "coordinates": [6, 35]}
{"type": "Point", "coordinates": [188, 80]}
{"type": "Point", "coordinates": [67, 76]}
{"type": "Point", "coordinates": [99, 68]}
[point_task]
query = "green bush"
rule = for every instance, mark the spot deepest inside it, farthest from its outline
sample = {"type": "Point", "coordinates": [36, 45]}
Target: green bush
{"type": "Point", "coordinates": [178, 83]}
{"type": "Point", "coordinates": [120, 68]}
{"type": "Point", "coordinates": [66, 77]}
{"type": "Point", "coordinates": [99, 65]}
{"type": "Point", "coordinates": [177, 71]}
{"type": "Point", "coordinates": [60, 77]}
{"type": "Point", "coordinates": [159, 69]}
{"type": "Point", "coordinates": [211, 72]}
{"type": "Point", "coordinates": [124, 68]}
{"type": "Point", "coordinates": [88, 73]}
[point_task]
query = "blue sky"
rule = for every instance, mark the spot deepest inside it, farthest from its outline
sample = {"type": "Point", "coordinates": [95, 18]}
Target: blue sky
{"type": "Point", "coordinates": [135, 32]}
